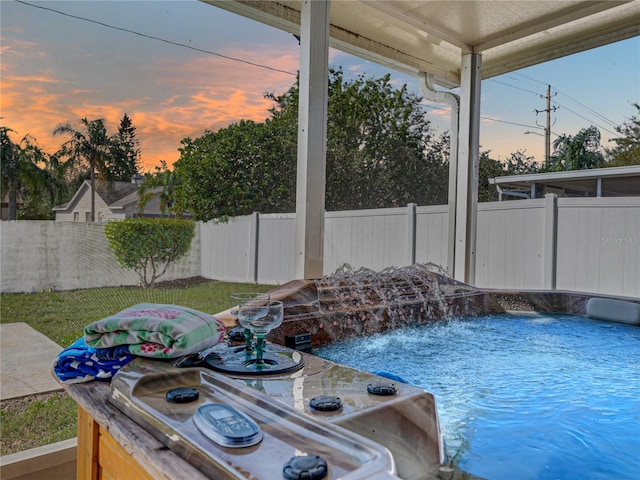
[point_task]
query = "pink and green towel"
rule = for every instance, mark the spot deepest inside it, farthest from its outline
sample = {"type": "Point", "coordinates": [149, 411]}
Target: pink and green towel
{"type": "Point", "coordinates": [156, 330]}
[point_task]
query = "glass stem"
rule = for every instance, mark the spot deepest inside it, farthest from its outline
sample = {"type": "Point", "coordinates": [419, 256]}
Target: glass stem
{"type": "Point", "coordinates": [248, 336]}
{"type": "Point", "coordinates": [259, 350]}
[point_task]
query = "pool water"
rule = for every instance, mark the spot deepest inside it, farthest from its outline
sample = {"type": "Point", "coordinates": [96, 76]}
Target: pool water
{"type": "Point", "coordinates": [526, 397]}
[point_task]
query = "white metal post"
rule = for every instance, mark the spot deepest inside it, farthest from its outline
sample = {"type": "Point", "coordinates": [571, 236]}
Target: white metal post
{"type": "Point", "coordinates": [312, 135]}
{"type": "Point", "coordinates": [254, 244]}
{"type": "Point", "coordinates": [550, 264]}
{"type": "Point", "coordinates": [411, 233]}
{"type": "Point", "coordinates": [468, 167]}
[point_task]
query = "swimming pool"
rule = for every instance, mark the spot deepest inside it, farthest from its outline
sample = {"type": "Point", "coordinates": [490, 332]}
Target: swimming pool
{"type": "Point", "coordinates": [527, 396]}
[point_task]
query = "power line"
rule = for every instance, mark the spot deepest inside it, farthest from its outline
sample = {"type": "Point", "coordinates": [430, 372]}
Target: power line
{"type": "Point", "coordinates": [511, 77]}
{"type": "Point", "coordinates": [518, 88]}
{"type": "Point", "coordinates": [209, 52]}
{"type": "Point", "coordinates": [585, 118]}
{"type": "Point", "coordinates": [489, 118]}
{"type": "Point", "coordinates": [591, 110]}
{"type": "Point", "coordinates": [151, 37]}
{"type": "Point", "coordinates": [612, 123]}
{"type": "Point", "coordinates": [531, 78]}
{"type": "Point", "coordinates": [434, 108]}
{"type": "Point", "coordinates": [512, 123]}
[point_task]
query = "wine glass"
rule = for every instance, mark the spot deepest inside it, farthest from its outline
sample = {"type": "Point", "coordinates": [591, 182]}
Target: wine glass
{"type": "Point", "coordinates": [260, 326]}
{"type": "Point", "coordinates": [251, 305]}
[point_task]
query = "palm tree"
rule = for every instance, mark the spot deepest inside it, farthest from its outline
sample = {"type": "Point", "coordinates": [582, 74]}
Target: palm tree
{"type": "Point", "coordinates": [22, 174]}
{"type": "Point", "coordinates": [577, 153]}
{"type": "Point", "coordinates": [91, 144]}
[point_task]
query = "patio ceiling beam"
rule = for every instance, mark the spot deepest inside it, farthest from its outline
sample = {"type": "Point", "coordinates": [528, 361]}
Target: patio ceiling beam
{"type": "Point", "coordinates": [390, 8]}
{"type": "Point", "coordinates": [538, 25]}
{"type": "Point", "coordinates": [284, 17]}
{"type": "Point", "coordinates": [540, 49]}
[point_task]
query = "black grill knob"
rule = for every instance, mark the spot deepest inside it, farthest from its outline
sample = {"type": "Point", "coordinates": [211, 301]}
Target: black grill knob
{"type": "Point", "coordinates": [307, 467]}
{"type": "Point", "coordinates": [326, 403]}
{"type": "Point", "coordinates": [382, 389]}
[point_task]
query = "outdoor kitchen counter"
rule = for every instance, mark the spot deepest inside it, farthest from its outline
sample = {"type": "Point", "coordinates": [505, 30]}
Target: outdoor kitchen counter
{"type": "Point", "coordinates": [368, 434]}
{"type": "Point", "coordinates": [111, 446]}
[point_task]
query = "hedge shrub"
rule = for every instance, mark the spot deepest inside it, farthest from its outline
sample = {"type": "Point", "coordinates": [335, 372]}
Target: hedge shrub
{"type": "Point", "coordinates": [148, 245]}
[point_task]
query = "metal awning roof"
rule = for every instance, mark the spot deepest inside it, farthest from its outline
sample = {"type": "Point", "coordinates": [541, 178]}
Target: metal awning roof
{"type": "Point", "coordinates": [617, 181]}
{"type": "Point", "coordinates": [431, 35]}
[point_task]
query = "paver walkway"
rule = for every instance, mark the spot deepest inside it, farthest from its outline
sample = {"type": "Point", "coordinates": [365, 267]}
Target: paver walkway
{"type": "Point", "coordinates": [26, 356]}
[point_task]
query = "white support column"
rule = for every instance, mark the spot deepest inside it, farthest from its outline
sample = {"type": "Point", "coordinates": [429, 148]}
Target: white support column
{"type": "Point", "coordinates": [550, 261]}
{"type": "Point", "coordinates": [253, 246]}
{"type": "Point", "coordinates": [468, 166]}
{"type": "Point", "coordinates": [411, 233]}
{"type": "Point", "coordinates": [312, 138]}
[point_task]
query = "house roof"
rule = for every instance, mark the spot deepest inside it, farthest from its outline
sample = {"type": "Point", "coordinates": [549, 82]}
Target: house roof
{"type": "Point", "coordinates": [617, 181]}
{"type": "Point", "coordinates": [432, 35]}
{"type": "Point", "coordinates": [132, 198]}
{"type": "Point", "coordinates": [113, 194]}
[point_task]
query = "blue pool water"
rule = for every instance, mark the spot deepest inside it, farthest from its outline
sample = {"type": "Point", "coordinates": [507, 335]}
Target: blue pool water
{"type": "Point", "coordinates": [527, 397]}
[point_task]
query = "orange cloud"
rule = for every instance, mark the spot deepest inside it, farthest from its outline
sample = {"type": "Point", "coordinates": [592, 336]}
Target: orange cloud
{"type": "Point", "coordinates": [183, 99]}
{"type": "Point", "coordinates": [211, 96]}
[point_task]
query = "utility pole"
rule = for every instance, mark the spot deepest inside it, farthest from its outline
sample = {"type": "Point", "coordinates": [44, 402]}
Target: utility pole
{"type": "Point", "coordinates": [547, 128]}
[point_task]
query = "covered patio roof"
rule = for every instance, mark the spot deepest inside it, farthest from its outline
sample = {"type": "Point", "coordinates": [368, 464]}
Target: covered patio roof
{"type": "Point", "coordinates": [431, 35]}
{"type": "Point", "coordinates": [449, 43]}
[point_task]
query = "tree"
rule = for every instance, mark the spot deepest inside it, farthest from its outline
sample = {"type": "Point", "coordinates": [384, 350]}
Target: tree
{"type": "Point", "coordinates": [149, 246]}
{"type": "Point", "coordinates": [125, 152]}
{"type": "Point", "coordinates": [381, 152]}
{"type": "Point", "coordinates": [167, 186]}
{"type": "Point", "coordinates": [25, 176]}
{"type": "Point", "coordinates": [234, 171]}
{"type": "Point", "coordinates": [11, 171]}
{"type": "Point", "coordinates": [488, 168]}
{"type": "Point", "coordinates": [577, 153]}
{"type": "Point", "coordinates": [519, 163]}
{"type": "Point", "coordinates": [379, 141]}
{"type": "Point", "coordinates": [90, 144]}
{"type": "Point", "coordinates": [627, 149]}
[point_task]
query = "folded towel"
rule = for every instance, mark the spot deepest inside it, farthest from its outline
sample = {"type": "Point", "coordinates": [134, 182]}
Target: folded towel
{"type": "Point", "coordinates": [81, 363]}
{"type": "Point", "coordinates": [156, 330]}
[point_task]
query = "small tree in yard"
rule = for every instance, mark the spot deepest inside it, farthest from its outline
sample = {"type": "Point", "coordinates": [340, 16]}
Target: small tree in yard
{"type": "Point", "coordinates": [149, 246]}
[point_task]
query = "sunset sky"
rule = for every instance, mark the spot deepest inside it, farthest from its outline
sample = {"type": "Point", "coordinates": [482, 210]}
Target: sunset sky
{"type": "Point", "coordinates": [58, 68]}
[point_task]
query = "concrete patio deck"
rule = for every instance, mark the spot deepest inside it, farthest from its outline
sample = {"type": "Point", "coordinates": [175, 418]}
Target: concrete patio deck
{"type": "Point", "coordinates": [26, 356]}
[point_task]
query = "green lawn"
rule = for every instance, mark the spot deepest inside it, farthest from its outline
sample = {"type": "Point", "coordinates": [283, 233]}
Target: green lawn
{"type": "Point", "coordinates": [62, 316]}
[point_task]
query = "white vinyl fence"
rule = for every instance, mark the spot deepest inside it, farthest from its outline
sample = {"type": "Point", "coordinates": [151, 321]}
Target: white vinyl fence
{"type": "Point", "coordinates": [599, 245]}
{"type": "Point", "coordinates": [582, 244]}
{"type": "Point", "coordinates": [48, 255]}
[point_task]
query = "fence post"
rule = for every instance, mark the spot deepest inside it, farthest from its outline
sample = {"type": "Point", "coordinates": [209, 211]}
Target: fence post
{"type": "Point", "coordinates": [550, 261]}
{"type": "Point", "coordinates": [411, 233]}
{"type": "Point", "coordinates": [253, 246]}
